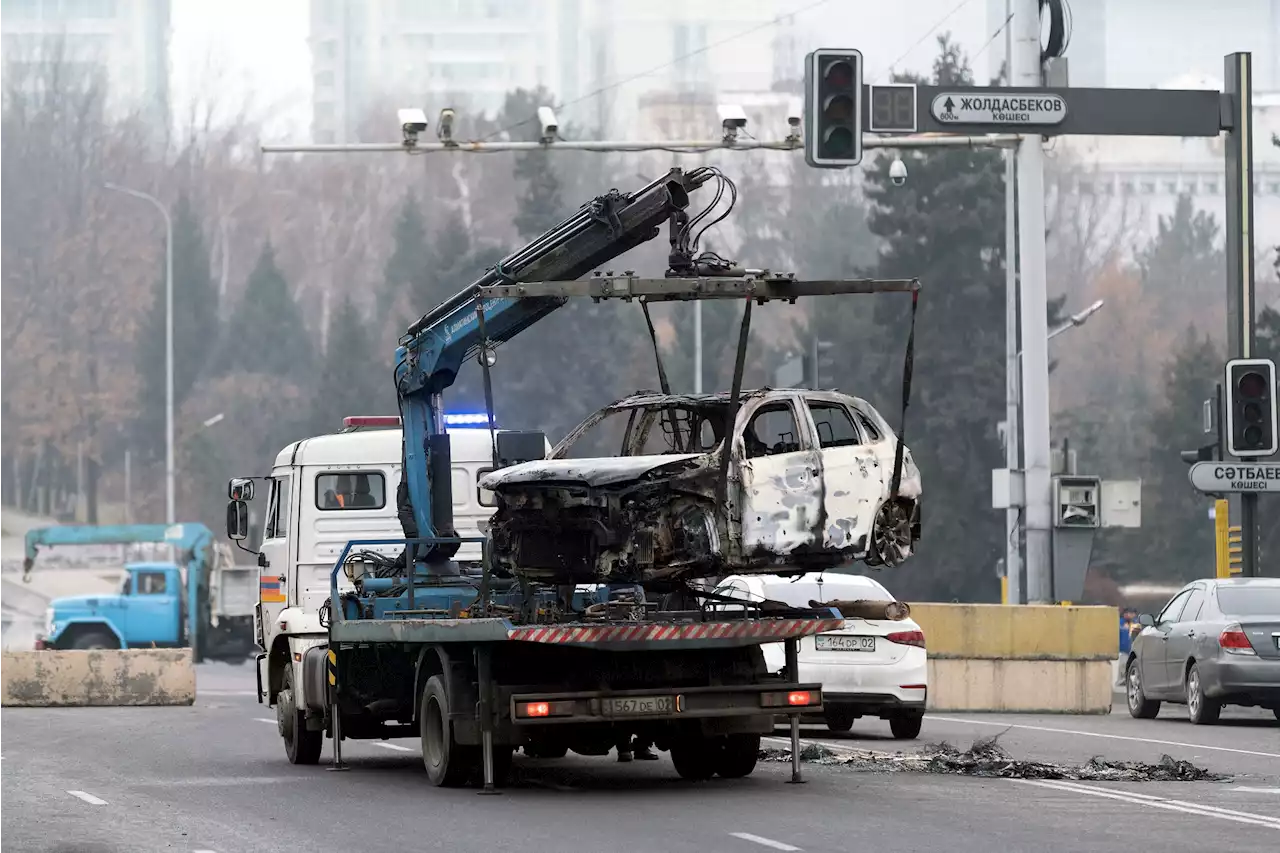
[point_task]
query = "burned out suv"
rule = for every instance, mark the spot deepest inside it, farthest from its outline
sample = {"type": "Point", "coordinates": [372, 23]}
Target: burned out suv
{"type": "Point", "coordinates": [641, 491]}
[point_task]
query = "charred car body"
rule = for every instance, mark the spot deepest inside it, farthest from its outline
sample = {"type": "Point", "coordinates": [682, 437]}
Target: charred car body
{"type": "Point", "coordinates": [635, 492]}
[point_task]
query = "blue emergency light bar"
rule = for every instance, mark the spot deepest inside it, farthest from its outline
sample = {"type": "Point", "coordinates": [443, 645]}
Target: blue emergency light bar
{"type": "Point", "coordinates": [466, 419]}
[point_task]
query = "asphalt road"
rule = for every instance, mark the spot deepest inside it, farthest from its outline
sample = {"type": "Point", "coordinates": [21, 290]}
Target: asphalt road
{"type": "Point", "coordinates": [215, 778]}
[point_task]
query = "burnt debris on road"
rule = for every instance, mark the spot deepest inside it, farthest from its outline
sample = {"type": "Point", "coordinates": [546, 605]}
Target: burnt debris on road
{"type": "Point", "coordinates": [986, 758]}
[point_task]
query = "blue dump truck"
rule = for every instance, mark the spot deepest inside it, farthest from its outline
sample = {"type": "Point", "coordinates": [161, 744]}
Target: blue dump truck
{"type": "Point", "coordinates": [210, 610]}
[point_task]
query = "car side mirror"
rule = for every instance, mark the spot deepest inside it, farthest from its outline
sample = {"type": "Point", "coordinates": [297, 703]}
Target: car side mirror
{"type": "Point", "coordinates": [240, 489]}
{"type": "Point", "coordinates": [237, 520]}
{"type": "Point", "coordinates": [1146, 620]}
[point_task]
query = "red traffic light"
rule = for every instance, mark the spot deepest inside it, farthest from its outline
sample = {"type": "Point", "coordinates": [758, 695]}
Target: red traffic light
{"type": "Point", "coordinates": [839, 73]}
{"type": "Point", "coordinates": [1252, 384]}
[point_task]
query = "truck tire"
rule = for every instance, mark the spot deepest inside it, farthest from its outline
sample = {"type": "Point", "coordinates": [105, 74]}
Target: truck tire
{"type": "Point", "coordinates": [695, 758]}
{"type": "Point", "coordinates": [301, 744]}
{"type": "Point", "coordinates": [449, 764]}
{"type": "Point", "coordinates": [737, 756]}
{"type": "Point", "coordinates": [95, 640]}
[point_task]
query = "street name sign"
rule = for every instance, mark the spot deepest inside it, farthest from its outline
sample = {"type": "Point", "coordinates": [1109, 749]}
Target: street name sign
{"type": "Point", "coordinates": [1014, 110]}
{"type": "Point", "coordinates": [1235, 477]}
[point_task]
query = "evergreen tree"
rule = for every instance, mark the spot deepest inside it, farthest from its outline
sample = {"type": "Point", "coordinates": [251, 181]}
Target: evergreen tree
{"type": "Point", "coordinates": [409, 267]}
{"type": "Point", "coordinates": [584, 355]}
{"type": "Point", "coordinates": [195, 328]}
{"type": "Point", "coordinates": [354, 378]}
{"type": "Point", "coordinates": [1182, 263]}
{"type": "Point", "coordinates": [267, 332]}
{"type": "Point", "coordinates": [1176, 542]}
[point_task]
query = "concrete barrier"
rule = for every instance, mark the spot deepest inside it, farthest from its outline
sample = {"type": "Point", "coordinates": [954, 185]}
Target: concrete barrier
{"type": "Point", "coordinates": [100, 677]}
{"type": "Point", "coordinates": [1030, 658]}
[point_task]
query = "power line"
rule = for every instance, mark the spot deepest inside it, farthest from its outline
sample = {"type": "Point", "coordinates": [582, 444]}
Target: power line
{"type": "Point", "coordinates": [597, 92]}
{"type": "Point", "coordinates": [993, 38]}
{"type": "Point", "coordinates": [928, 33]}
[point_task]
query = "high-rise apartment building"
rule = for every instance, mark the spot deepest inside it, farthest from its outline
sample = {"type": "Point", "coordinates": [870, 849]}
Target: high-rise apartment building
{"type": "Point", "coordinates": [125, 40]}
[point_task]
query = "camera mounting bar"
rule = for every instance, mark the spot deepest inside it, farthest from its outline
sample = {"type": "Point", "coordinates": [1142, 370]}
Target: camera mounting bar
{"type": "Point", "coordinates": [762, 288]}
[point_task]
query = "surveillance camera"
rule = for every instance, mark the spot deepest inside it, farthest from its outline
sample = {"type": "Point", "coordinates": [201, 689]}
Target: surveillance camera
{"type": "Point", "coordinates": [547, 119]}
{"type": "Point", "coordinates": [732, 118]}
{"type": "Point", "coordinates": [412, 122]}
{"type": "Point", "coordinates": [444, 129]}
{"type": "Point", "coordinates": [898, 172]}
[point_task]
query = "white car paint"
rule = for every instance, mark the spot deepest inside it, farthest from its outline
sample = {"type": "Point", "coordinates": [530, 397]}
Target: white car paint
{"type": "Point", "coordinates": [893, 677]}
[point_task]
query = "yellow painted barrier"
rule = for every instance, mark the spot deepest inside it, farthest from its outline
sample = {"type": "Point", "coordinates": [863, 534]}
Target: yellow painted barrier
{"type": "Point", "coordinates": [1018, 632]}
{"type": "Point", "coordinates": [100, 678]}
{"type": "Point", "coordinates": [1030, 658]}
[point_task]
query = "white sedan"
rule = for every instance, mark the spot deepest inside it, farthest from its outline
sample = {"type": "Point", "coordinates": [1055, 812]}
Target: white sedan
{"type": "Point", "coordinates": [869, 667]}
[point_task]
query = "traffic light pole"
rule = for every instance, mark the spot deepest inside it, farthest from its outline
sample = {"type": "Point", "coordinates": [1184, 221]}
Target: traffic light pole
{"type": "Point", "coordinates": [1241, 336]}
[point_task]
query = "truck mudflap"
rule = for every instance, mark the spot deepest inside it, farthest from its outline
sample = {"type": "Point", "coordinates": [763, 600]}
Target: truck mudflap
{"type": "Point", "coordinates": [651, 634]}
{"type": "Point", "coordinates": [652, 704]}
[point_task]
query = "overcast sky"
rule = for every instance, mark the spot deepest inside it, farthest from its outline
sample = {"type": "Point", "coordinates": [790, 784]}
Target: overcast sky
{"type": "Point", "coordinates": [258, 48]}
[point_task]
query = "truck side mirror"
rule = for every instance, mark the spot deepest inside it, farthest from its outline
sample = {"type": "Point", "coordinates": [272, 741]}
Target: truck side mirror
{"type": "Point", "coordinates": [237, 520]}
{"type": "Point", "coordinates": [240, 489]}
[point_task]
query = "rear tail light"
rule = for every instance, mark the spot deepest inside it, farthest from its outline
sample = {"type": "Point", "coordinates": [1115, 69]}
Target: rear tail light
{"type": "Point", "coordinates": [537, 710]}
{"type": "Point", "coordinates": [907, 638]}
{"type": "Point", "coordinates": [1233, 641]}
{"type": "Point", "coordinates": [792, 699]}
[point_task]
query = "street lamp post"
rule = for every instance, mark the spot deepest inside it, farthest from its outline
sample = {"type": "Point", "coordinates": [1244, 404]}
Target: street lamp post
{"type": "Point", "coordinates": [169, 477]}
{"type": "Point", "coordinates": [1013, 547]}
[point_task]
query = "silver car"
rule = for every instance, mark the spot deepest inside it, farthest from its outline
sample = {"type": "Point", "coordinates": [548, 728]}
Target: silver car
{"type": "Point", "coordinates": [1217, 642]}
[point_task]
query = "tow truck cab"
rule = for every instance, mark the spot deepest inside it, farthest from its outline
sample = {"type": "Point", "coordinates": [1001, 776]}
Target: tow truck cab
{"type": "Point", "coordinates": [331, 489]}
{"type": "Point", "coordinates": [147, 611]}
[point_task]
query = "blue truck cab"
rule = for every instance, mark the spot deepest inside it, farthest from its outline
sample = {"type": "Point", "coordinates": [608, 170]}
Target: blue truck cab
{"type": "Point", "coordinates": [146, 612]}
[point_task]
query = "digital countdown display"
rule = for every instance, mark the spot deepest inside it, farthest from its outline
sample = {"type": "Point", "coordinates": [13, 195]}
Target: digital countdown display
{"type": "Point", "coordinates": [892, 108]}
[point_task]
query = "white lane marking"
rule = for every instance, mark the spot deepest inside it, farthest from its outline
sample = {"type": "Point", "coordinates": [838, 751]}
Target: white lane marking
{"type": "Point", "coordinates": [1100, 734]}
{"type": "Point", "coordinates": [264, 720]}
{"type": "Point", "coordinates": [1156, 802]}
{"type": "Point", "coordinates": [204, 851]}
{"type": "Point", "coordinates": [762, 841]}
{"type": "Point", "coordinates": [395, 746]}
{"type": "Point", "coordinates": [1256, 790]}
{"type": "Point", "coordinates": [88, 798]}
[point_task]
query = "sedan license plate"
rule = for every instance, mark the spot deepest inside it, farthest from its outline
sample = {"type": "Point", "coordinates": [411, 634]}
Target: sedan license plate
{"type": "Point", "coordinates": [826, 643]}
{"type": "Point", "coordinates": [633, 705]}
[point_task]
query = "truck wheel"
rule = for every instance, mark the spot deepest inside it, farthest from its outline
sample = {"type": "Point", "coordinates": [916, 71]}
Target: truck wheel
{"type": "Point", "coordinates": [449, 764]}
{"type": "Point", "coordinates": [95, 640]}
{"type": "Point", "coordinates": [695, 758]}
{"type": "Point", "coordinates": [906, 726]}
{"type": "Point", "coordinates": [301, 744]}
{"type": "Point", "coordinates": [737, 756]}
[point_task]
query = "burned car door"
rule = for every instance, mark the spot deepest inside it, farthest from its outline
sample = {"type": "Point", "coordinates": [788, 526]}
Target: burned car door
{"type": "Point", "coordinates": [853, 476]}
{"type": "Point", "coordinates": [781, 497]}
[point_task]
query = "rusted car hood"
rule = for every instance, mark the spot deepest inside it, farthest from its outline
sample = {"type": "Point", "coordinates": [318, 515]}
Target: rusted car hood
{"type": "Point", "coordinates": [606, 471]}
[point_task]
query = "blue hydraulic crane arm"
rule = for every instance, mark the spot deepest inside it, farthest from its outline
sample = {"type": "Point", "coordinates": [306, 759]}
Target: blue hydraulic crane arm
{"type": "Point", "coordinates": [194, 542]}
{"type": "Point", "coordinates": [435, 347]}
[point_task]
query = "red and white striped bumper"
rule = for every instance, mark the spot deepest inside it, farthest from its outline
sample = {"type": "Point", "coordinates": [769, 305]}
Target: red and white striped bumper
{"type": "Point", "coordinates": [735, 633]}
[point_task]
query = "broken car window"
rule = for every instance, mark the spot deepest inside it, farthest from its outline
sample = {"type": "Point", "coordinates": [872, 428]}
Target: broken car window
{"type": "Point", "coordinates": [835, 427]}
{"type": "Point", "coordinates": [771, 430]}
{"type": "Point", "coordinates": [678, 429]}
{"type": "Point", "coordinates": [601, 439]}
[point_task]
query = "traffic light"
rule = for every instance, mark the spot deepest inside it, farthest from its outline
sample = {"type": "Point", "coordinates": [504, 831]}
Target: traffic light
{"type": "Point", "coordinates": [1251, 407]}
{"type": "Point", "coordinates": [833, 108]}
{"type": "Point", "coordinates": [824, 364]}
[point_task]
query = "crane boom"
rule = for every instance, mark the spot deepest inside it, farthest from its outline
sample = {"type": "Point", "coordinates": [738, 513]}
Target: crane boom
{"type": "Point", "coordinates": [434, 348]}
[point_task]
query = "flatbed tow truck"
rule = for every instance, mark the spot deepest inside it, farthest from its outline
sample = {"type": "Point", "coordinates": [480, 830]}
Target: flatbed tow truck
{"type": "Point", "coordinates": [477, 665]}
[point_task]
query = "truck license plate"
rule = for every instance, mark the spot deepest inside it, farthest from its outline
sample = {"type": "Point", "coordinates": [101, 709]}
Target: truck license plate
{"type": "Point", "coordinates": [632, 705]}
{"type": "Point", "coordinates": [826, 643]}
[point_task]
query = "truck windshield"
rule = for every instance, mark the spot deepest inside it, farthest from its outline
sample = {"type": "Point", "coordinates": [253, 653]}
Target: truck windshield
{"type": "Point", "coordinates": [652, 430]}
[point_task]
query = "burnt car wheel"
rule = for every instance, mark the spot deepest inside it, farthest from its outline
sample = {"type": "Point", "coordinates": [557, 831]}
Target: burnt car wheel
{"type": "Point", "coordinates": [890, 535]}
